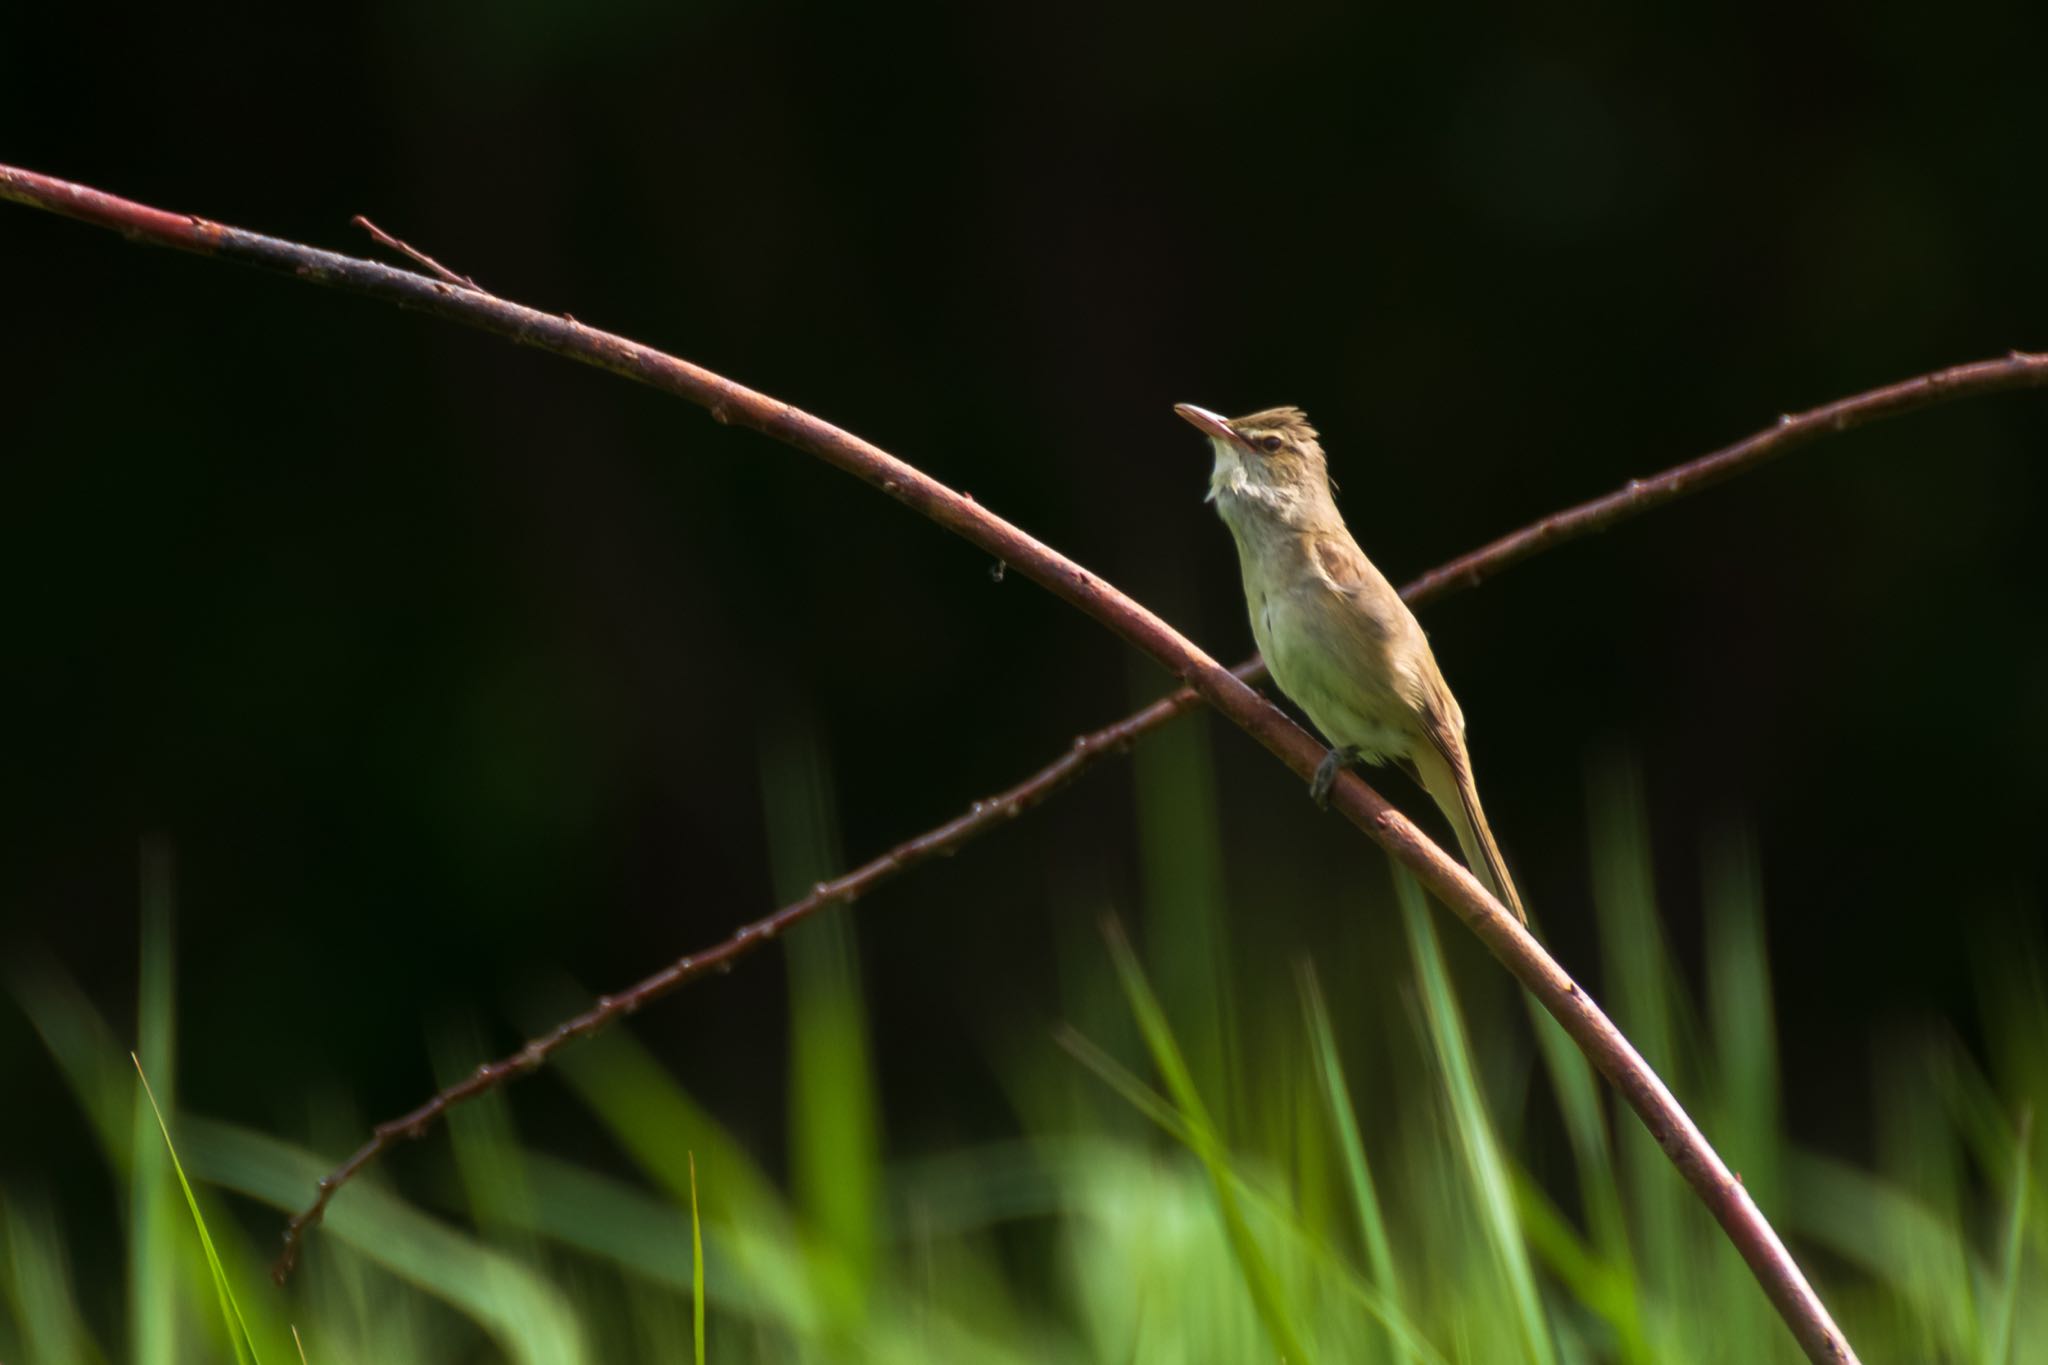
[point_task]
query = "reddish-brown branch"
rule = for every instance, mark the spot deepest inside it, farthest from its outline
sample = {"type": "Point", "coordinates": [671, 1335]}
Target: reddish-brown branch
{"type": "Point", "coordinates": [728, 402]}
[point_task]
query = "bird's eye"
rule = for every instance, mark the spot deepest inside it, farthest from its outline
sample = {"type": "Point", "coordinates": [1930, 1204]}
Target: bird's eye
{"type": "Point", "coordinates": [1269, 444]}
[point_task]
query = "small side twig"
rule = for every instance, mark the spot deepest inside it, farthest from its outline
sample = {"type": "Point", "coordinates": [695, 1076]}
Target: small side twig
{"type": "Point", "coordinates": [415, 255]}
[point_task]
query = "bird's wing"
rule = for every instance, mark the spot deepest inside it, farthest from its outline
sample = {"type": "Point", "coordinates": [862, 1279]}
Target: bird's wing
{"type": "Point", "coordinates": [1344, 564]}
{"type": "Point", "coordinates": [1446, 772]}
{"type": "Point", "coordinates": [1367, 605]}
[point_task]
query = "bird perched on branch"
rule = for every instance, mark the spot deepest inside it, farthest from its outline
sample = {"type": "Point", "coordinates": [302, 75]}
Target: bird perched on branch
{"type": "Point", "coordinates": [1338, 639]}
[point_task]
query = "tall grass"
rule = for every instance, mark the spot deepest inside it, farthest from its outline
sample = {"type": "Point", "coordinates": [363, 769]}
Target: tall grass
{"type": "Point", "coordinates": [1314, 1179]}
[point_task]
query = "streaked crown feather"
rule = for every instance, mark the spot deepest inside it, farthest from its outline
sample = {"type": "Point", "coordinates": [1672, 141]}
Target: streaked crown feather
{"type": "Point", "coordinates": [1289, 423]}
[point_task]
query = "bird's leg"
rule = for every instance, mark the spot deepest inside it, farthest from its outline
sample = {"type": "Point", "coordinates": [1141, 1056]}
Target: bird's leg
{"type": "Point", "coordinates": [1334, 762]}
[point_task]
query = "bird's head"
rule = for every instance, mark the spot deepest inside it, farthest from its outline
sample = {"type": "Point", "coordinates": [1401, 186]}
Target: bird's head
{"type": "Point", "coordinates": [1268, 460]}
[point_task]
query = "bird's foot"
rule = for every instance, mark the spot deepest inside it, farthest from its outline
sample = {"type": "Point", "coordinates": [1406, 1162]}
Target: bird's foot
{"type": "Point", "coordinates": [1334, 762]}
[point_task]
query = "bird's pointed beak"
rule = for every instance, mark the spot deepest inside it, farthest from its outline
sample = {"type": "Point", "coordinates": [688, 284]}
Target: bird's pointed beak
{"type": "Point", "coordinates": [1208, 423]}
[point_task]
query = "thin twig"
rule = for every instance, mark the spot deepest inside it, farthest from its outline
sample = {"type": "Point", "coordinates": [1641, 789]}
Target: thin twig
{"type": "Point", "coordinates": [728, 402]}
{"type": "Point", "coordinates": [844, 889]}
{"type": "Point", "coordinates": [2015, 370]}
{"type": "Point", "coordinates": [414, 254]}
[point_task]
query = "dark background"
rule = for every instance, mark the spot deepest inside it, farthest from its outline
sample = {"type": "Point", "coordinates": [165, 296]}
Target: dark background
{"type": "Point", "coordinates": [446, 667]}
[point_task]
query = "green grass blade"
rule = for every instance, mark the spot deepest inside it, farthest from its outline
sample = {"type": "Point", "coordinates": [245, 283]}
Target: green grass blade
{"type": "Point", "coordinates": [1208, 1146]}
{"type": "Point", "coordinates": [1744, 1100]}
{"type": "Point", "coordinates": [152, 1246]}
{"type": "Point", "coordinates": [1128, 1087]}
{"type": "Point", "coordinates": [1484, 1162]}
{"type": "Point", "coordinates": [834, 1112]}
{"type": "Point", "coordinates": [1180, 862]}
{"type": "Point", "coordinates": [231, 1312]}
{"type": "Point", "coordinates": [84, 1048]}
{"type": "Point", "coordinates": [1588, 1277]}
{"type": "Point", "coordinates": [1743, 1023]}
{"type": "Point", "coordinates": [834, 1135]}
{"type": "Point", "coordinates": [490, 1166]}
{"type": "Point", "coordinates": [530, 1320]}
{"type": "Point", "coordinates": [650, 1115]}
{"type": "Point", "coordinates": [1406, 1335]}
{"type": "Point", "coordinates": [761, 1275]}
{"type": "Point", "coordinates": [696, 1267]}
{"type": "Point", "coordinates": [1365, 1201]}
{"type": "Point", "coordinates": [1579, 1101]}
{"type": "Point", "coordinates": [1890, 1234]}
{"type": "Point", "coordinates": [2005, 1298]}
{"type": "Point", "coordinates": [88, 1055]}
{"type": "Point", "coordinates": [1647, 999]}
{"type": "Point", "coordinates": [37, 1285]}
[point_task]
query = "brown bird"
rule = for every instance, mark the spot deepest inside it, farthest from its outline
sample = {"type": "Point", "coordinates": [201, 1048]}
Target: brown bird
{"type": "Point", "coordinates": [1338, 639]}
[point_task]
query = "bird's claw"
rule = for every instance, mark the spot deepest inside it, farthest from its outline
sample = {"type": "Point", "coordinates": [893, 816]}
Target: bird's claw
{"type": "Point", "coordinates": [1334, 762]}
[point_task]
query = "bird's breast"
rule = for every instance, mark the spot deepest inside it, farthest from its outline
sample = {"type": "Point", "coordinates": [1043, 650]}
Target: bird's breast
{"type": "Point", "coordinates": [1333, 670]}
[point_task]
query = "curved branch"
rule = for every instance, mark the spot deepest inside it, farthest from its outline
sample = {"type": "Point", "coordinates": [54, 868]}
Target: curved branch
{"type": "Point", "coordinates": [728, 402]}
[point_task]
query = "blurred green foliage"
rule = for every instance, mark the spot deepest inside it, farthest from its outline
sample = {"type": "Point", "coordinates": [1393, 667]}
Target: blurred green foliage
{"type": "Point", "coordinates": [444, 665]}
{"type": "Point", "coordinates": [1294, 1204]}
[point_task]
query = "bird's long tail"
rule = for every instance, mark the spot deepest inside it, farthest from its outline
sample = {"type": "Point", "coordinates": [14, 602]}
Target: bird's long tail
{"type": "Point", "coordinates": [1449, 784]}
